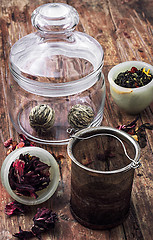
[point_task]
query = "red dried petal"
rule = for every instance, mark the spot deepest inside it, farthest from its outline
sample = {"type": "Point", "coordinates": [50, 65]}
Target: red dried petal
{"type": "Point", "coordinates": [26, 141]}
{"type": "Point", "coordinates": [28, 175]}
{"type": "Point", "coordinates": [133, 70]}
{"type": "Point", "coordinates": [8, 142]}
{"type": "Point", "coordinates": [14, 208]}
{"type": "Point", "coordinates": [20, 145]}
{"type": "Point", "coordinates": [19, 166]}
{"type": "Point", "coordinates": [121, 127]}
{"type": "Point", "coordinates": [129, 128]}
{"type": "Point", "coordinates": [45, 218]}
{"type": "Point", "coordinates": [25, 190]}
{"type": "Point", "coordinates": [14, 145]}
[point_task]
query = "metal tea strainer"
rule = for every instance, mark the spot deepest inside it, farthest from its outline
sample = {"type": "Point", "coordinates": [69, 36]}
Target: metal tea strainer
{"type": "Point", "coordinates": [115, 133]}
{"type": "Point", "coordinates": [102, 172]}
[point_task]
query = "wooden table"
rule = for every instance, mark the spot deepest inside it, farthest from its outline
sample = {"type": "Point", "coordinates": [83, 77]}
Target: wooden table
{"type": "Point", "coordinates": [125, 30]}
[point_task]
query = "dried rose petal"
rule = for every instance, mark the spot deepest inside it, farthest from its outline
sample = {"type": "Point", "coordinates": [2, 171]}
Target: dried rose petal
{"type": "Point", "coordinates": [20, 145]}
{"type": "Point", "coordinates": [12, 145]}
{"type": "Point", "coordinates": [8, 142]}
{"type": "Point", "coordinates": [28, 175]}
{"type": "Point", "coordinates": [14, 208]}
{"type": "Point", "coordinates": [133, 70]}
{"type": "Point", "coordinates": [26, 141]}
{"type": "Point", "coordinates": [24, 235]}
{"type": "Point", "coordinates": [45, 218]}
{"type": "Point", "coordinates": [19, 166]}
{"type": "Point", "coordinates": [129, 128]}
{"type": "Point", "coordinates": [25, 190]}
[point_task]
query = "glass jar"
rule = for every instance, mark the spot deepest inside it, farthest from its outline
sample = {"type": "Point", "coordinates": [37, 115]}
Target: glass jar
{"type": "Point", "coordinates": [58, 68]}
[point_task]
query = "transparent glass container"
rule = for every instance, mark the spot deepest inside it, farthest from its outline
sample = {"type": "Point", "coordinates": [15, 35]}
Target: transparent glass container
{"type": "Point", "coordinates": [56, 66]}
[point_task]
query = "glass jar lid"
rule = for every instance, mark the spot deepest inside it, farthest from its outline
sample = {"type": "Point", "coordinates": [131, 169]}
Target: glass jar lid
{"type": "Point", "coordinates": [55, 18]}
{"type": "Point", "coordinates": [56, 60]}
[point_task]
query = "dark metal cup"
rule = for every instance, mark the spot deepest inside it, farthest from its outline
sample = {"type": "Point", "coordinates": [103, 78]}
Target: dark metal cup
{"type": "Point", "coordinates": [102, 171]}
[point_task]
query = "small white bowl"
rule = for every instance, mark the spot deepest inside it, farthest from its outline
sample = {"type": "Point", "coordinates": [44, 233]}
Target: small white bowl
{"type": "Point", "coordinates": [131, 100]}
{"type": "Point", "coordinates": [45, 157]}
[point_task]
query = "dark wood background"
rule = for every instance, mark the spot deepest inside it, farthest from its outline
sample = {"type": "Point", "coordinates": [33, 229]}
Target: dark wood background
{"type": "Point", "coordinates": [124, 28]}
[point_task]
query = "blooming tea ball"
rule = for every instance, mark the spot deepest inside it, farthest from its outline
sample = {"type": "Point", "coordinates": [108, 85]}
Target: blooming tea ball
{"type": "Point", "coordinates": [42, 118]}
{"type": "Point", "coordinates": [80, 116]}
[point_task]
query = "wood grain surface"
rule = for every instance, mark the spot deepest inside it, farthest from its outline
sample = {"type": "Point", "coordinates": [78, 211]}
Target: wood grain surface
{"type": "Point", "coordinates": [124, 28]}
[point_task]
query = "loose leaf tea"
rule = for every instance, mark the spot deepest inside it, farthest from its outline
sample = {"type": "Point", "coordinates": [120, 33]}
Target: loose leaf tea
{"type": "Point", "coordinates": [43, 220]}
{"type": "Point", "coordinates": [142, 134]}
{"type": "Point", "coordinates": [138, 133]}
{"type": "Point", "coordinates": [134, 78]}
{"type": "Point", "coordinates": [8, 142]}
{"type": "Point", "coordinates": [14, 208]}
{"type": "Point", "coordinates": [28, 174]}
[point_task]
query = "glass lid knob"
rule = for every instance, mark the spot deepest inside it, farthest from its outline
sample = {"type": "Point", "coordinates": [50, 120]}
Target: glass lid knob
{"type": "Point", "coordinates": [55, 18]}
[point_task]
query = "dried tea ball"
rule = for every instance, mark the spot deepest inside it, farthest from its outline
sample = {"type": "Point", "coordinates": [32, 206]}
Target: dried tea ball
{"type": "Point", "coordinates": [80, 116]}
{"type": "Point", "coordinates": [42, 118]}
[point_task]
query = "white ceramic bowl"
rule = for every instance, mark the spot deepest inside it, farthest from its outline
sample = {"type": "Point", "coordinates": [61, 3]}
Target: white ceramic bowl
{"type": "Point", "coordinates": [131, 100]}
{"type": "Point", "coordinates": [45, 157]}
